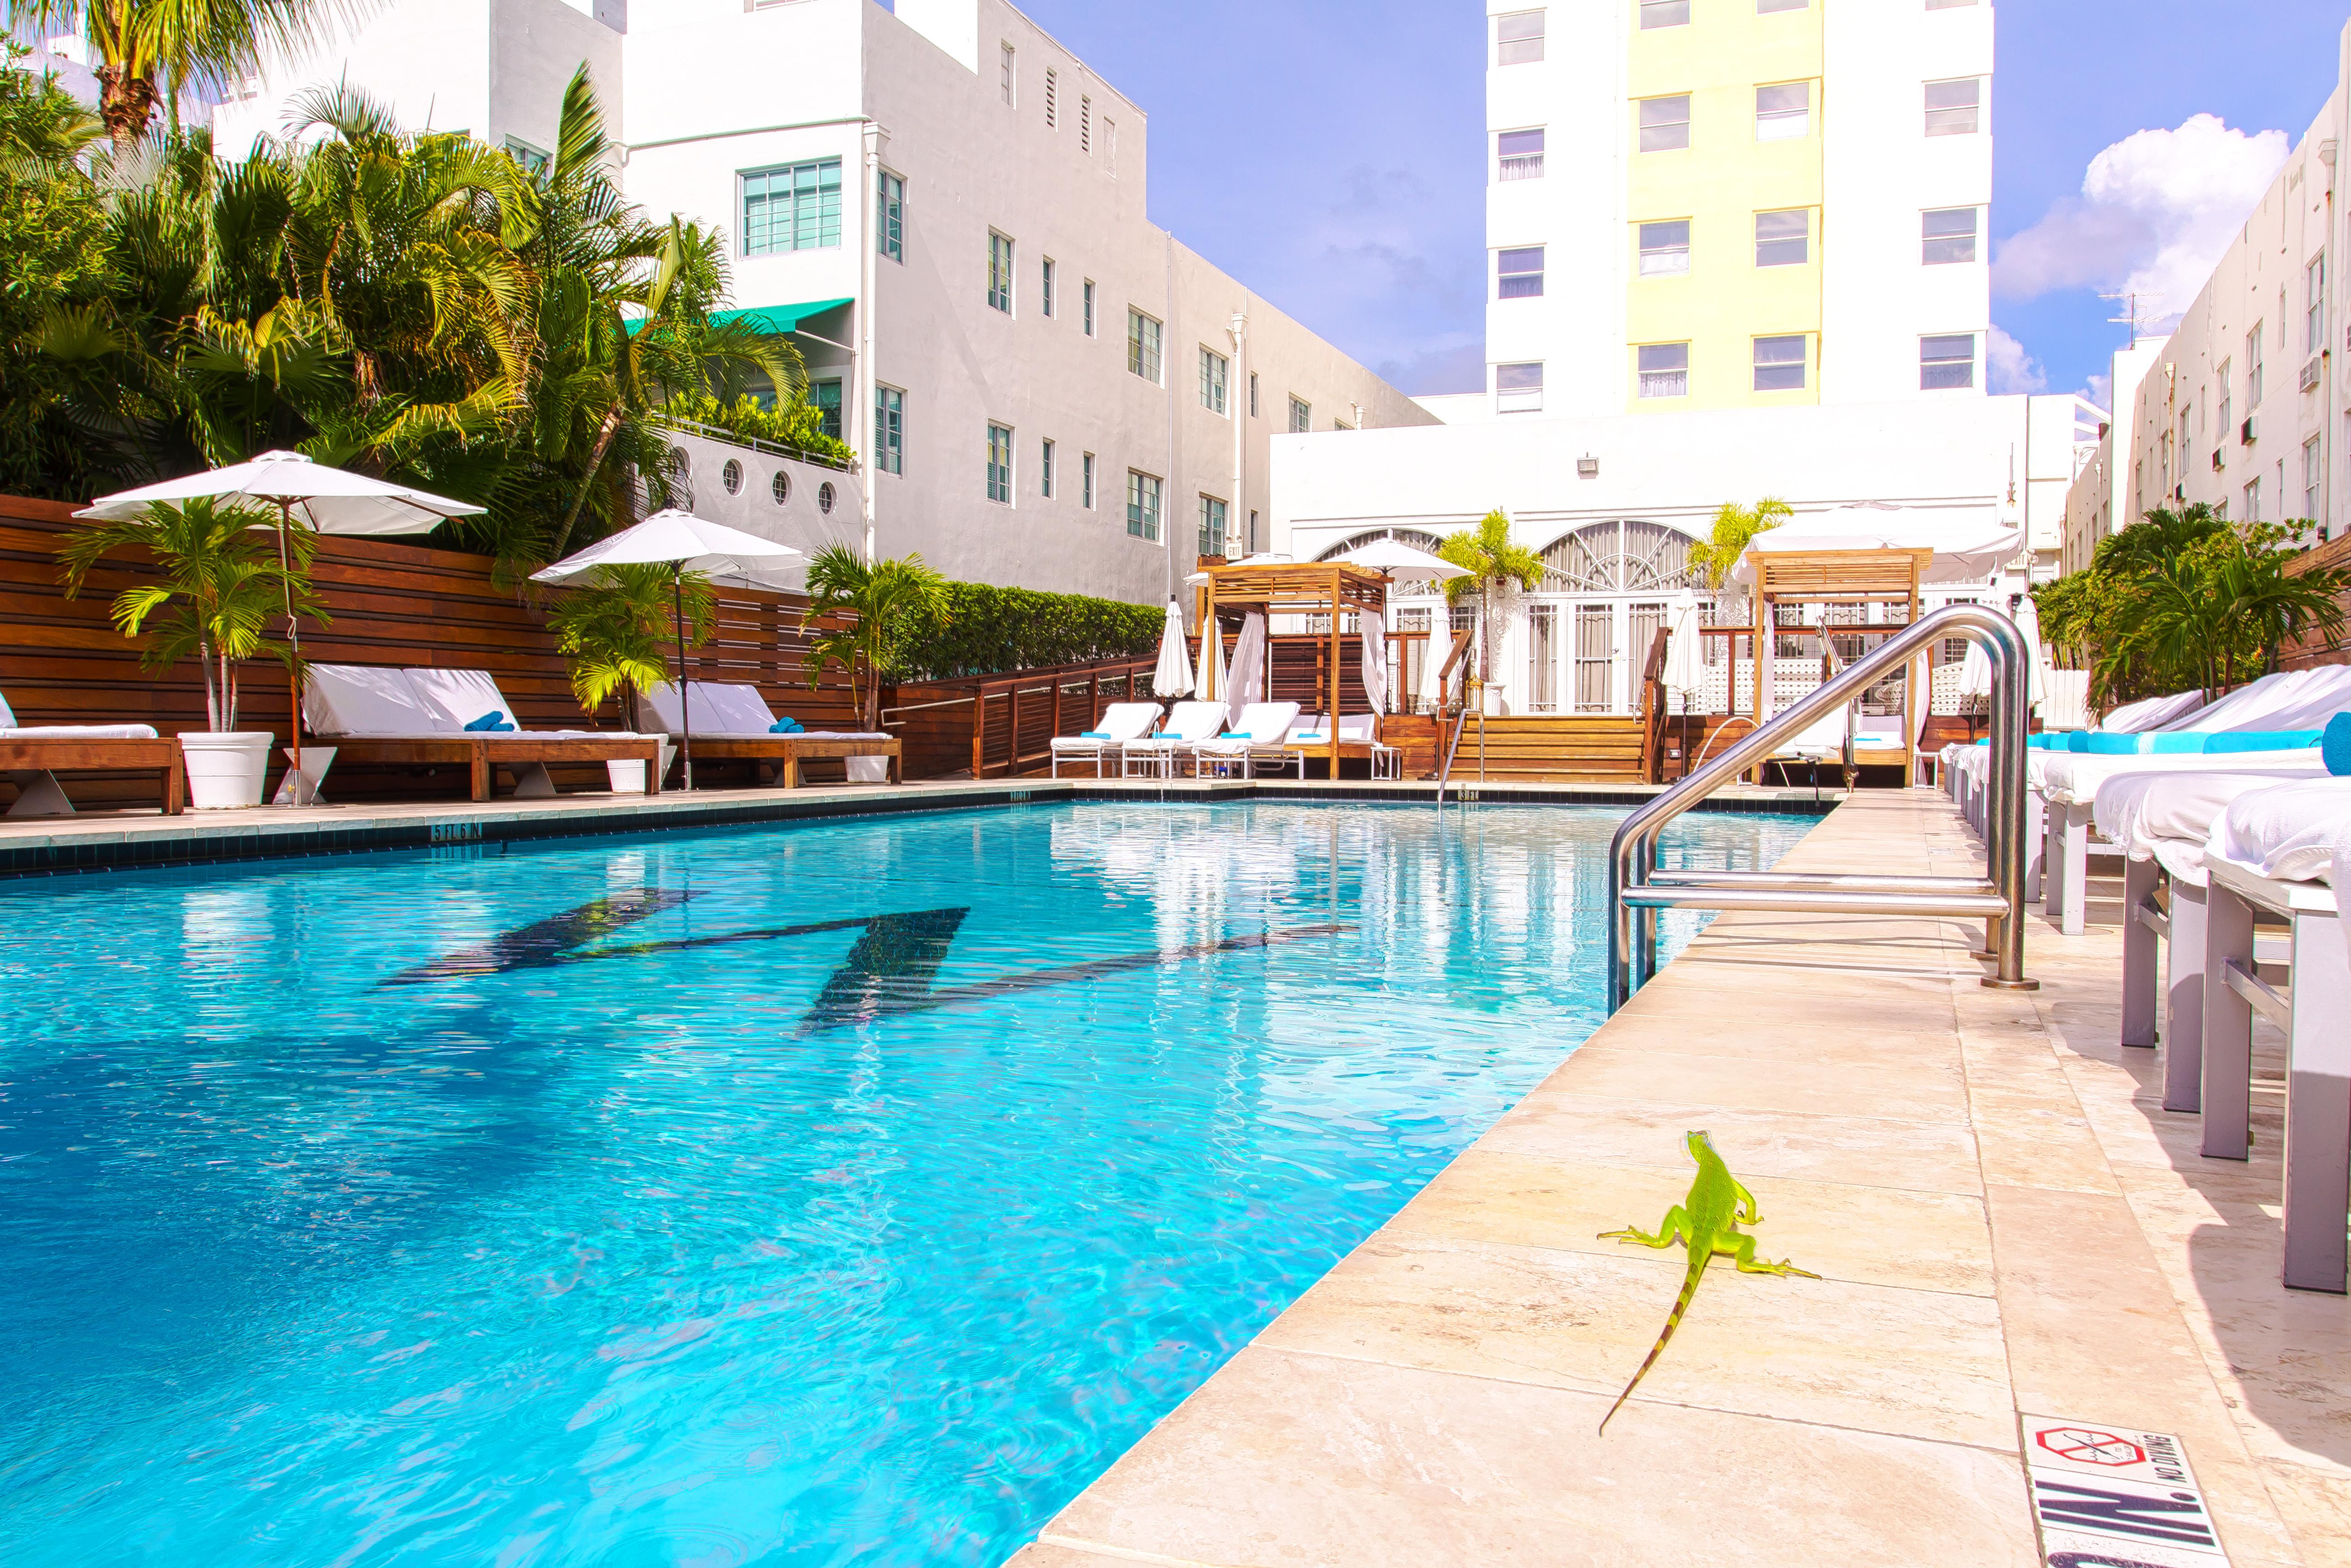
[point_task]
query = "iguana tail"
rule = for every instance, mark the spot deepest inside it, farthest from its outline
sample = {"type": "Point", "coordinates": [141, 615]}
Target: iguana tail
{"type": "Point", "coordinates": [1698, 1261]}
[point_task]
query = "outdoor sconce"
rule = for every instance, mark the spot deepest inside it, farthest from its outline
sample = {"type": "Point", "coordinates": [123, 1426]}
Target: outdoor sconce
{"type": "Point", "coordinates": [1587, 467]}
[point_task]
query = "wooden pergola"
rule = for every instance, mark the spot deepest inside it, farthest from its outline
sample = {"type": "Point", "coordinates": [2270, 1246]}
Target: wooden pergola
{"type": "Point", "coordinates": [1286, 588]}
{"type": "Point", "coordinates": [1839, 577]}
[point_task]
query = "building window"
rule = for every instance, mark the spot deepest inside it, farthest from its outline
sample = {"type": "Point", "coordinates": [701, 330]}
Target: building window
{"type": "Point", "coordinates": [2313, 475]}
{"type": "Point", "coordinates": [1664, 13]}
{"type": "Point", "coordinates": [2313, 278]}
{"type": "Point", "coordinates": [1521, 154]}
{"type": "Point", "coordinates": [826, 395]}
{"type": "Point", "coordinates": [794, 208]}
{"type": "Point", "coordinates": [1664, 123]}
{"type": "Point", "coordinates": [1779, 363]}
{"type": "Point", "coordinates": [1000, 464]}
{"type": "Point", "coordinates": [1783, 113]}
{"type": "Point", "coordinates": [1946, 362]}
{"type": "Point", "coordinates": [1045, 469]}
{"type": "Point", "coordinates": [889, 430]}
{"type": "Point", "coordinates": [1253, 394]}
{"type": "Point", "coordinates": [1086, 481]}
{"type": "Point", "coordinates": [1006, 58]}
{"type": "Point", "coordinates": [1045, 288]}
{"type": "Point", "coordinates": [1214, 369]}
{"type": "Point", "coordinates": [1052, 99]}
{"type": "Point", "coordinates": [1952, 106]}
{"type": "Point", "coordinates": [1086, 125]}
{"type": "Point", "coordinates": [1517, 388]}
{"type": "Point", "coordinates": [533, 161]}
{"type": "Point", "coordinates": [2253, 501]}
{"type": "Point", "coordinates": [1664, 369]}
{"type": "Point", "coordinates": [1946, 235]}
{"type": "Point", "coordinates": [2227, 399]}
{"type": "Point", "coordinates": [1783, 239]}
{"type": "Point", "coordinates": [1519, 39]}
{"type": "Point", "coordinates": [1765, 7]}
{"type": "Point", "coordinates": [1664, 249]}
{"type": "Point", "coordinates": [1947, 5]}
{"type": "Point", "coordinates": [2253, 367]}
{"type": "Point", "coordinates": [1142, 346]}
{"type": "Point", "coordinates": [1110, 145]}
{"type": "Point", "coordinates": [1141, 504]}
{"type": "Point", "coordinates": [1521, 272]}
{"type": "Point", "coordinates": [1301, 416]}
{"type": "Point", "coordinates": [890, 216]}
{"type": "Point", "coordinates": [1212, 526]}
{"type": "Point", "coordinates": [1087, 293]}
{"type": "Point", "coordinates": [999, 272]}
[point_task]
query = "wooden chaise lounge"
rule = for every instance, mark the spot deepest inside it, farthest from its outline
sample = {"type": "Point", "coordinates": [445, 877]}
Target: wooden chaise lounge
{"type": "Point", "coordinates": [33, 754]}
{"type": "Point", "coordinates": [378, 715]}
{"type": "Point", "coordinates": [732, 723]}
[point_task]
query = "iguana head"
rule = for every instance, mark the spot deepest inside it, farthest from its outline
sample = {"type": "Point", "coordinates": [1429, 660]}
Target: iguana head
{"type": "Point", "coordinates": [1699, 1144]}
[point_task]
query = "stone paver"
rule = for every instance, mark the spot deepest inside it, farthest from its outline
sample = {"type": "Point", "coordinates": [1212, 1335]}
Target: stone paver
{"type": "Point", "coordinates": [2005, 1219]}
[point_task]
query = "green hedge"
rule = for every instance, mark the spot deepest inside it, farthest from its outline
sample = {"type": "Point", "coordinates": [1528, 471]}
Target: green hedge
{"type": "Point", "coordinates": [988, 631]}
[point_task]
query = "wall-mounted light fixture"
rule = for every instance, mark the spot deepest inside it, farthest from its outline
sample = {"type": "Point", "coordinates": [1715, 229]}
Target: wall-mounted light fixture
{"type": "Point", "coordinates": [1587, 467]}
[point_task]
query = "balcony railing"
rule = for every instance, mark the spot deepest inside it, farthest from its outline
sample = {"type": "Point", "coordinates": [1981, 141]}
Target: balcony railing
{"type": "Point", "coordinates": [1523, 166]}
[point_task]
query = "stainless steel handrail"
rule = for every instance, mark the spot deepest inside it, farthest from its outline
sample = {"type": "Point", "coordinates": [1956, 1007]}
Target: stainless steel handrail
{"type": "Point", "coordinates": [1636, 889]}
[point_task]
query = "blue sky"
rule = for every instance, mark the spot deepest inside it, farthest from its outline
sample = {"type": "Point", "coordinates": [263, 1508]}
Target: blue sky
{"type": "Point", "coordinates": [1331, 156]}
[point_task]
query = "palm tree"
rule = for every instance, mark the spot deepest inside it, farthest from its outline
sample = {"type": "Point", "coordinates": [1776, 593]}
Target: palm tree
{"type": "Point", "coordinates": [883, 601]}
{"type": "Point", "coordinates": [616, 629]}
{"type": "Point", "coordinates": [220, 588]}
{"type": "Point", "coordinates": [2268, 606]}
{"type": "Point", "coordinates": [1735, 527]}
{"type": "Point", "coordinates": [148, 49]}
{"type": "Point", "coordinates": [2161, 536]}
{"type": "Point", "coordinates": [1493, 562]}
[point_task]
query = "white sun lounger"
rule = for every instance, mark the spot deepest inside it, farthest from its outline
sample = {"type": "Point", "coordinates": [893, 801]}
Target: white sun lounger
{"type": "Point", "coordinates": [1120, 722]}
{"type": "Point", "coordinates": [30, 755]}
{"type": "Point", "coordinates": [379, 714]}
{"type": "Point", "coordinates": [2283, 853]}
{"type": "Point", "coordinates": [733, 722]}
{"type": "Point", "coordinates": [1157, 755]}
{"type": "Point", "coordinates": [1258, 732]}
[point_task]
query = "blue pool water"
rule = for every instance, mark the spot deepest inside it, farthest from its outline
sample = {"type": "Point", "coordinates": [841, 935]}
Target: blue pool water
{"type": "Point", "coordinates": [839, 1194]}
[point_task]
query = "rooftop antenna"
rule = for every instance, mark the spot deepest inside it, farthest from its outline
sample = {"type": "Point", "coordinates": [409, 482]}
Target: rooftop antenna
{"type": "Point", "coordinates": [2128, 299]}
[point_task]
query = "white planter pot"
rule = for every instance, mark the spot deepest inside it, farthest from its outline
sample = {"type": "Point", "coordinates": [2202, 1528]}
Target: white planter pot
{"type": "Point", "coordinates": [629, 777]}
{"type": "Point", "coordinates": [225, 769]}
{"type": "Point", "coordinates": [869, 769]}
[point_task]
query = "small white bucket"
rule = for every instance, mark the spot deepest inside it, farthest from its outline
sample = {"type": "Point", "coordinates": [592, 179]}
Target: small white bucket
{"type": "Point", "coordinates": [224, 768]}
{"type": "Point", "coordinates": [869, 769]}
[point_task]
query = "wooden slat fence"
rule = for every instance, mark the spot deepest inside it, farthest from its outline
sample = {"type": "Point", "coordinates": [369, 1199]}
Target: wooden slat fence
{"type": "Point", "coordinates": [392, 603]}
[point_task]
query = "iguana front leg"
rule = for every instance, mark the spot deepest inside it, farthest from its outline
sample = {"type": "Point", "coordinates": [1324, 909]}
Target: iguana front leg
{"type": "Point", "coordinates": [1746, 1211]}
{"type": "Point", "coordinates": [1677, 1223]}
{"type": "Point", "coordinates": [1743, 1254]}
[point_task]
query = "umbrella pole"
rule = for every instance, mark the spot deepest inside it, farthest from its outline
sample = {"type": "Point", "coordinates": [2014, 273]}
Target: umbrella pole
{"type": "Point", "coordinates": [294, 638]}
{"type": "Point", "coordinates": [685, 697]}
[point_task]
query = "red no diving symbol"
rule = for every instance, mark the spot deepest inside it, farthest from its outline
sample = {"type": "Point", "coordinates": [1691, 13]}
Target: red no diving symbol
{"type": "Point", "coordinates": [2088, 1448]}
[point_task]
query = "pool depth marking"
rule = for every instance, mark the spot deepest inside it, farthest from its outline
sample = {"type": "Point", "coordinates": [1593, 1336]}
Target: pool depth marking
{"type": "Point", "coordinates": [889, 973]}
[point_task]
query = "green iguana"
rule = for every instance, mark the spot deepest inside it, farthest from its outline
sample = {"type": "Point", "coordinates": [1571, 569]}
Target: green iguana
{"type": "Point", "coordinates": [1707, 1222]}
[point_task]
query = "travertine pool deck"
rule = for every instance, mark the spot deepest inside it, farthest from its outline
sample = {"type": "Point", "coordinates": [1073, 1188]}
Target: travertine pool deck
{"type": "Point", "coordinates": [2005, 1221]}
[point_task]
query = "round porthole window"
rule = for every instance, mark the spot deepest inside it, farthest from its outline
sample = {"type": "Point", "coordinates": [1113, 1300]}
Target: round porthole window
{"type": "Point", "coordinates": [780, 486]}
{"type": "Point", "coordinates": [824, 496]}
{"type": "Point", "coordinates": [732, 477]}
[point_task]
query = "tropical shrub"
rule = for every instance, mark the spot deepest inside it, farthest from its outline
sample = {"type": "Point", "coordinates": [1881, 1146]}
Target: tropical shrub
{"type": "Point", "coordinates": [1494, 563]}
{"type": "Point", "coordinates": [798, 425]}
{"type": "Point", "coordinates": [1735, 527]}
{"type": "Point", "coordinates": [981, 630]}
{"type": "Point", "coordinates": [865, 613]}
{"type": "Point", "coordinates": [620, 627]}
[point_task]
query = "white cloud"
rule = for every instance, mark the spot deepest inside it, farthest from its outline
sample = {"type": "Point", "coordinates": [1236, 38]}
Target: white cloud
{"type": "Point", "coordinates": [2101, 391]}
{"type": "Point", "coordinates": [2156, 210]}
{"type": "Point", "coordinates": [2011, 368]}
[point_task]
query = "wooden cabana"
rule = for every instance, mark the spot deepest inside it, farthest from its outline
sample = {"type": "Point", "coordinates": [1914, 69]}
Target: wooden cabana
{"type": "Point", "coordinates": [1286, 588]}
{"type": "Point", "coordinates": [1864, 577]}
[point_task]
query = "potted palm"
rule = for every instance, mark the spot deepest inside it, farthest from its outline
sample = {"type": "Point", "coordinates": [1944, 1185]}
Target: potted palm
{"type": "Point", "coordinates": [1494, 564]}
{"type": "Point", "coordinates": [219, 586]}
{"type": "Point", "coordinates": [615, 629]}
{"type": "Point", "coordinates": [874, 607]}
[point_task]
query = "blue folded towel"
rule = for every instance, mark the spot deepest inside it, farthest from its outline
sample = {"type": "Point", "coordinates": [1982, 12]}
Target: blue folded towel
{"type": "Point", "coordinates": [490, 721]}
{"type": "Point", "coordinates": [786, 726]}
{"type": "Point", "coordinates": [2336, 746]}
{"type": "Point", "coordinates": [1317, 739]}
{"type": "Point", "coordinates": [2264, 740]}
{"type": "Point", "coordinates": [1094, 735]}
{"type": "Point", "coordinates": [2184, 743]}
{"type": "Point", "coordinates": [2102, 743]}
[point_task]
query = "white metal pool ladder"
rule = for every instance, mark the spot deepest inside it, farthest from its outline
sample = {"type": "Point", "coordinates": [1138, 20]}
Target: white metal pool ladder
{"type": "Point", "coordinates": [1637, 889]}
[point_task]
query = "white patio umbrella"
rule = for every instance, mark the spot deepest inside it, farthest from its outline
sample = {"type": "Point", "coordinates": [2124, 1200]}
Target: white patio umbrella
{"type": "Point", "coordinates": [1685, 648]}
{"type": "Point", "coordinates": [328, 499]}
{"type": "Point", "coordinates": [1399, 559]}
{"type": "Point", "coordinates": [1172, 678]}
{"type": "Point", "coordinates": [1968, 547]}
{"type": "Point", "coordinates": [683, 543]}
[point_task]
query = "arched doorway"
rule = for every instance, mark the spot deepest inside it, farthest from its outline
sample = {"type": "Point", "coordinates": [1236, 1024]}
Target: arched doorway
{"type": "Point", "coordinates": [1603, 598]}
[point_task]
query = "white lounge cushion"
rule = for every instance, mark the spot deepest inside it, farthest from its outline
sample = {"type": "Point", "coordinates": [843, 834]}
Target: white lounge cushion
{"type": "Point", "coordinates": [363, 700]}
{"type": "Point", "coordinates": [1261, 725]}
{"type": "Point", "coordinates": [734, 706]}
{"type": "Point", "coordinates": [1120, 722]}
{"type": "Point", "coordinates": [2076, 776]}
{"type": "Point", "coordinates": [836, 735]}
{"type": "Point", "coordinates": [2153, 713]}
{"type": "Point", "coordinates": [1188, 724]}
{"type": "Point", "coordinates": [456, 698]}
{"type": "Point", "coordinates": [78, 732]}
{"type": "Point", "coordinates": [7, 715]}
{"type": "Point", "coordinates": [2290, 833]}
{"type": "Point", "coordinates": [661, 705]}
{"type": "Point", "coordinates": [2168, 817]}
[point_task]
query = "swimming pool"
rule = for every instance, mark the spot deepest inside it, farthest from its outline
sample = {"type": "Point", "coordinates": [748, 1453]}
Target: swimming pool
{"type": "Point", "coordinates": [844, 1193]}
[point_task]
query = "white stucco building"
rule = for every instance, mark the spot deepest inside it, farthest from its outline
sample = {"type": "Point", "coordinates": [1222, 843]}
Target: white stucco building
{"type": "Point", "coordinates": [1735, 204]}
{"type": "Point", "coordinates": [946, 208]}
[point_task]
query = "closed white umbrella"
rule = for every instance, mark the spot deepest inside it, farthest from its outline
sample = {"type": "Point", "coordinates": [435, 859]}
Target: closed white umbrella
{"type": "Point", "coordinates": [683, 543]}
{"type": "Point", "coordinates": [329, 500]}
{"type": "Point", "coordinates": [1216, 685]}
{"type": "Point", "coordinates": [1172, 678]}
{"type": "Point", "coordinates": [1684, 649]}
{"type": "Point", "coordinates": [2036, 659]}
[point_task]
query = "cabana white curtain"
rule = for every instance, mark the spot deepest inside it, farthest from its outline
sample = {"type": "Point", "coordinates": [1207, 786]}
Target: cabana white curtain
{"type": "Point", "coordinates": [1249, 664]}
{"type": "Point", "coordinates": [1375, 661]}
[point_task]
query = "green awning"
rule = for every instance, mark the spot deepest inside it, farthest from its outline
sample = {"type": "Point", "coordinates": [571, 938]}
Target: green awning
{"type": "Point", "coordinates": [773, 319]}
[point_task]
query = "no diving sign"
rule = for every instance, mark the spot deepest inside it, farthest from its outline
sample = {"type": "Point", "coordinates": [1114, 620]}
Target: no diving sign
{"type": "Point", "coordinates": [2115, 1497]}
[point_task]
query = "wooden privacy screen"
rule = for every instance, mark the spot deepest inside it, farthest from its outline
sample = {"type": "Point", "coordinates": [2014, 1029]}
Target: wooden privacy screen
{"type": "Point", "coordinates": [393, 602]}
